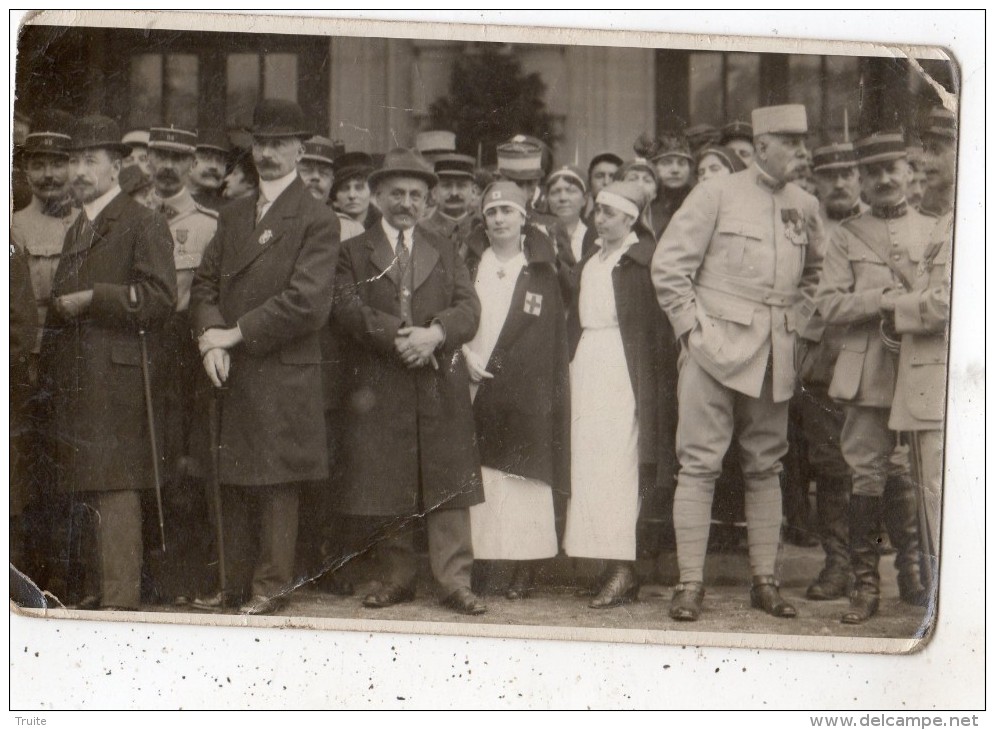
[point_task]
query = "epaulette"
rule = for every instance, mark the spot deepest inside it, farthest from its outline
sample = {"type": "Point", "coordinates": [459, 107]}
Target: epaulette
{"type": "Point", "coordinates": [205, 210]}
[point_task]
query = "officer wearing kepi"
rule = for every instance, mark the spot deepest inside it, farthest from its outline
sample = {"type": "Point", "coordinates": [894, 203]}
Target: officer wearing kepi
{"type": "Point", "coordinates": [736, 258]}
{"type": "Point", "coordinates": [184, 388]}
{"type": "Point", "coordinates": [922, 317]}
{"type": "Point", "coordinates": [867, 267]}
{"type": "Point", "coordinates": [821, 418]}
{"type": "Point", "coordinates": [208, 174]}
{"type": "Point", "coordinates": [453, 218]}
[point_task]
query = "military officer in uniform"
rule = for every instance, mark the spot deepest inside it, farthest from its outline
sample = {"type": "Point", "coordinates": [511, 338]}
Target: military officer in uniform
{"type": "Point", "coordinates": [867, 266]}
{"type": "Point", "coordinates": [115, 287]}
{"type": "Point", "coordinates": [315, 167]}
{"type": "Point", "coordinates": [730, 268]}
{"type": "Point", "coordinates": [184, 388]}
{"type": "Point", "coordinates": [453, 218]}
{"type": "Point", "coordinates": [259, 299]}
{"type": "Point", "coordinates": [137, 141]}
{"type": "Point", "coordinates": [820, 417]}
{"type": "Point", "coordinates": [40, 230]}
{"type": "Point", "coordinates": [922, 317]}
{"type": "Point", "coordinates": [939, 141]}
{"type": "Point", "coordinates": [431, 145]}
{"type": "Point", "coordinates": [738, 136]}
{"type": "Point", "coordinates": [207, 177]}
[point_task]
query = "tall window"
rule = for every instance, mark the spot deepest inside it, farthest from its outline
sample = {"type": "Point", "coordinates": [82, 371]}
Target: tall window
{"type": "Point", "coordinates": [723, 87]}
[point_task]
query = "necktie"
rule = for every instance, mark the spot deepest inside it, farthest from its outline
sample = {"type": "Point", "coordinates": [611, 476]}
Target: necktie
{"type": "Point", "coordinates": [403, 257]}
{"type": "Point", "coordinates": [261, 206]}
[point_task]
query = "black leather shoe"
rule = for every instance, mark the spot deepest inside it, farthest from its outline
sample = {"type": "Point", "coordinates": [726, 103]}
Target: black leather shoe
{"type": "Point", "coordinates": [522, 584]}
{"type": "Point", "coordinates": [389, 595]}
{"type": "Point", "coordinates": [830, 585]}
{"type": "Point", "coordinates": [687, 601]}
{"type": "Point", "coordinates": [910, 590]}
{"type": "Point", "coordinates": [218, 602]}
{"type": "Point", "coordinates": [259, 606]}
{"type": "Point", "coordinates": [766, 596]}
{"type": "Point", "coordinates": [621, 587]}
{"type": "Point", "coordinates": [464, 601]}
{"type": "Point", "coordinates": [862, 606]}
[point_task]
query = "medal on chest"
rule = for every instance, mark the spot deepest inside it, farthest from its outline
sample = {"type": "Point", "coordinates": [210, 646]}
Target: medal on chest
{"type": "Point", "coordinates": [794, 226]}
{"type": "Point", "coordinates": [182, 236]}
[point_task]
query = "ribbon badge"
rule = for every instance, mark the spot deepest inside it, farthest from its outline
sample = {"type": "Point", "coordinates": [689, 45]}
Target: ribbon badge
{"type": "Point", "coordinates": [794, 226]}
{"type": "Point", "coordinates": [533, 304]}
{"type": "Point", "coordinates": [266, 237]}
{"type": "Point", "coordinates": [182, 235]}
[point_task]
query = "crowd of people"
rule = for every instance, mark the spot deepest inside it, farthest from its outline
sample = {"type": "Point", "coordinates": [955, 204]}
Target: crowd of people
{"type": "Point", "coordinates": [278, 355]}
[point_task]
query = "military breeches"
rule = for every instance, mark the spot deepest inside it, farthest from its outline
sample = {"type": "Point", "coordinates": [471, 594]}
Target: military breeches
{"type": "Point", "coordinates": [868, 446]}
{"type": "Point", "coordinates": [710, 415]}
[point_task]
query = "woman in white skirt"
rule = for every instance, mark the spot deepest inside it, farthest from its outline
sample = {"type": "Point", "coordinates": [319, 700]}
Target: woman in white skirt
{"type": "Point", "coordinates": [623, 380]}
{"type": "Point", "coordinates": [519, 374]}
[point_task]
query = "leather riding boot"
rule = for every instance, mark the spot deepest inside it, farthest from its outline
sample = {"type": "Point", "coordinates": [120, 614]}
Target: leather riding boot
{"type": "Point", "coordinates": [865, 517]}
{"type": "Point", "coordinates": [901, 519]}
{"type": "Point", "coordinates": [832, 497]}
{"type": "Point", "coordinates": [621, 587]}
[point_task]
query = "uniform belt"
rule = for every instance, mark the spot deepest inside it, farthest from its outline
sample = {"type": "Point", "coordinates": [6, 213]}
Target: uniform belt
{"type": "Point", "coordinates": [752, 292]}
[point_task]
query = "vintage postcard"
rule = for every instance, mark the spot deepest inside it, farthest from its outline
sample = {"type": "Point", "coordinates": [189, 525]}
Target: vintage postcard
{"type": "Point", "coordinates": [481, 330]}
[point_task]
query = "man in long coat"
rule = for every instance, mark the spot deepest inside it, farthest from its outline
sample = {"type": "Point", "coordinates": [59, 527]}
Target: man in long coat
{"type": "Point", "coordinates": [406, 299]}
{"type": "Point", "coordinates": [735, 260]}
{"type": "Point", "coordinates": [115, 282]}
{"type": "Point", "coordinates": [262, 293]}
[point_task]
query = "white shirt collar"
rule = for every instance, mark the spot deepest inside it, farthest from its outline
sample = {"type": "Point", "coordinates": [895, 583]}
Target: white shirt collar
{"type": "Point", "coordinates": [392, 232]}
{"type": "Point", "coordinates": [272, 189]}
{"type": "Point", "coordinates": [96, 207]}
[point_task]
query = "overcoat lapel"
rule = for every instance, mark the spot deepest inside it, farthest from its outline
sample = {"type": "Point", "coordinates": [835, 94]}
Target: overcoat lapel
{"type": "Point", "coordinates": [252, 239]}
{"type": "Point", "coordinates": [423, 259]}
{"type": "Point", "coordinates": [77, 244]}
{"type": "Point", "coordinates": [382, 255]}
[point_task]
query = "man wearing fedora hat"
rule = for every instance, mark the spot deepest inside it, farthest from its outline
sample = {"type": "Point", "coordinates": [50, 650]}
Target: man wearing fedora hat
{"type": "Point", "coordinates": [406, 300]}
{"type": "Point", "coordinates": [260, 297]}
{"type": "Point", "coordinates": [453, 218]}
{"type": "Point", "coordinates": [870, 264]}
{"type": "Point", "coordinates": [171, 158]}
{"type": "Point", "coordinates": [731, 267]}
{"type": "Point", "coordinates": [115, 282]}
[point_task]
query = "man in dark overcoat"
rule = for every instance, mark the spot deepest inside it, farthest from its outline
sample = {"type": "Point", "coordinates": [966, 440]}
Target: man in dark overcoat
{"type": "Point", "coordinates": [262, 293]}
{"type": "Point", "coordinates": [405, 297]}
{"type": "Point", "coordinates": [115, 283]}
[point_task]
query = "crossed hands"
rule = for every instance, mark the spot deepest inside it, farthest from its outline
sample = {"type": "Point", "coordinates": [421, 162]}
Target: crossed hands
{"type": "Point", "coordinates": [416, 345]}
{"type": "Point", "coordinates": [214, 345]}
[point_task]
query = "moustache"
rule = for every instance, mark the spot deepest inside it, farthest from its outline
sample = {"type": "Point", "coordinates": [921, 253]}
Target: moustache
{"type": "Point", "coordinates": [404, 211]}
{"type": "Point", "coordinates": [265, 163]}
{"type": "Point", "coordinates": [211, 173]}
{"type": "Point", "coordinates": [48, 184]}
{"type": "Point", "coordinates": [167, 176]}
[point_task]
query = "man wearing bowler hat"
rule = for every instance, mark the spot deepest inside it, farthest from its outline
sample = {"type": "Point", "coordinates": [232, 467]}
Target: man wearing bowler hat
{"type": "Point", "coordinates": [453, 218]}
{"type": "Point", "coordinates": [730, 269]}
{"type": "Point", "coordinates": [259, 299]}
{"type": "Point", "coordinates": [870, 263]}
{"type": "Point", "coordinates": [405, 298]}
{"type": "Point", "coordinates": [115, 285]}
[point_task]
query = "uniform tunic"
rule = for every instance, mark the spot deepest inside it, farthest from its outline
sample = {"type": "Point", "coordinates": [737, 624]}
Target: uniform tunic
{"type": "Point", "coordinates": [515, 521]}
{"type": "Point", "coordinates": [604, 503]}
{"type": "Point", "coordinates": [41, 236]}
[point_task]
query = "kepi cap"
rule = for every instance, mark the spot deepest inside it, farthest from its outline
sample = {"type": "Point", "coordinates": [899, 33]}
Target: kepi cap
{"type": "Point", "coordinates": [941, 122]}
{"type": "Point", "coordinates": [782, 119]}
{"type": "Point", "coordinates": [453, 165]}
{"type": "Point", "coordinates": [49, 134]}
{"type": "Point", "coordinates": [172, 139]}
{"type": "Point", "coordinates": [520, 160]}
{"type": "Point", "coordinates": [213, 139]}
{"type": "Point", "coordinates": [319, 149]}
{"type": "Point", "coordinates": [880, 147]}
{"type": "Point", "coordinates": [837, 156]}
{"type": "Point", "coordinates": [435, 141]}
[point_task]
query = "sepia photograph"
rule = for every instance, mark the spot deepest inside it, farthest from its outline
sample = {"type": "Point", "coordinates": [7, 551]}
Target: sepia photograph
{"type": "Point", "coordinates": [481, 331]}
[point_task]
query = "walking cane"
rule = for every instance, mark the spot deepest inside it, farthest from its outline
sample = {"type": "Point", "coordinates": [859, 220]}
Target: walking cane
{"type": "Point", "coordinates": [214, 425]}
{"type": "Point", "coordinates": [147, 382]}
